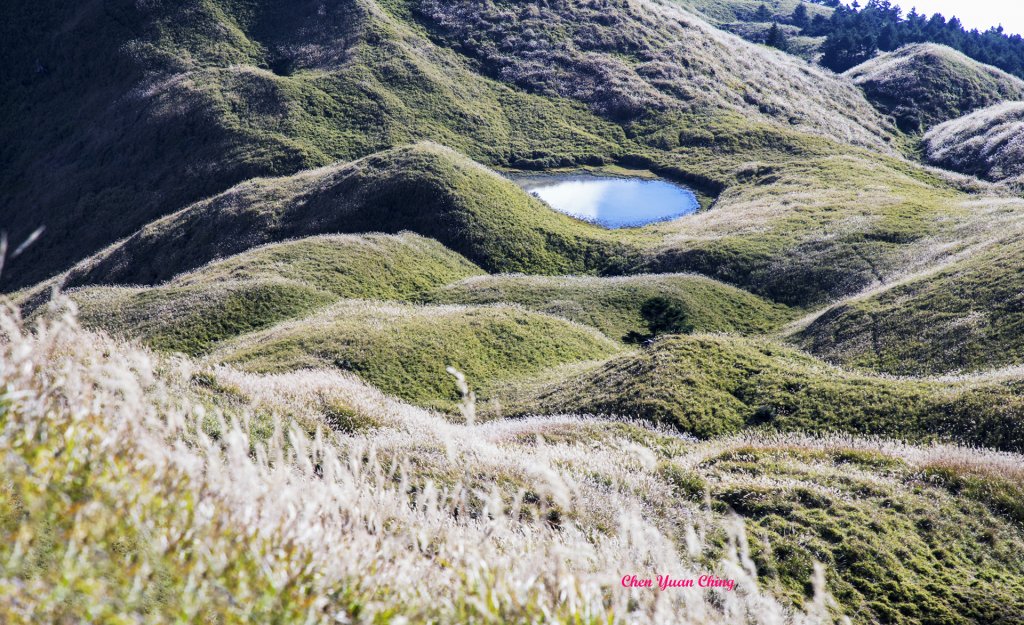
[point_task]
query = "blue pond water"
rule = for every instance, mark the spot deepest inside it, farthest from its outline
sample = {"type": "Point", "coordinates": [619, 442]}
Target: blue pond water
{"type": "Point", "coordinates": [612, 202]}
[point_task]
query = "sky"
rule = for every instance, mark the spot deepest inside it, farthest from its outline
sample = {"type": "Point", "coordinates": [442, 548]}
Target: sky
{"type": "Point", "coordinates": [980, 14]}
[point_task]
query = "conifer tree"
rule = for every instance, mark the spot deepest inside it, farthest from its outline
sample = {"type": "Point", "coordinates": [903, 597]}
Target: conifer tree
{"type": "Point", "coordinates": [777, 38]}
{"type": "Point", "coordinates": [800, 17]}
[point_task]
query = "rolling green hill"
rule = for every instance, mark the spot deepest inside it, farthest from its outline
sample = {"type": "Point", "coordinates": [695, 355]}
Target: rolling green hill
{"type": "Point", "coordinates": [717, 113]}
{"type": "Point", "coordinates": [799, 232]}
{"type": "Point", "coordinates": [614, 305]}
{"type": "Point", "coordinates": [710, 385]}
{"type": "Point", "coordinates": [371, 266]}
{"type": "Point", "coordinates": [279, 223]}
{"type": "Point", "coordinates": [269, 284]}
{"type": "Point", "coordinates": [404, 350]}
{"type": "Point", "coordinates": [245, 88]}
{"type": "Point", "coordinates": [968, 316]}
{"type": "Point", "coordinates": [424, 188]}
{"type": "Point", "coordinates": [235, 90]}
{"type": "Point", "coordinates": [922, 85]}
{"type": "Point", "coordinates": [809, 231]}
{"type": "Point", "coordinates": [986, 143]}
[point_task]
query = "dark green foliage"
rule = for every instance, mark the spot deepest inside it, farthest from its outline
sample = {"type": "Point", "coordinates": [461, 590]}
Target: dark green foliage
{"type": "Point", "coordinates": [776, 38]}
{"type": "Point", "coordinates": [666, 316]}
{"type": "Point", "coordinates": [663, 316]}
{"type": "Point", "coordinates": [855, 35]}
{"type": "Point", "coordinates": [800, 17]}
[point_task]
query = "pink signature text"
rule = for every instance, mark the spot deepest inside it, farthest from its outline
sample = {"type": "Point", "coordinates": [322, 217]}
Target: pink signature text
{"type": "Point", "coordinates": [664, 582]}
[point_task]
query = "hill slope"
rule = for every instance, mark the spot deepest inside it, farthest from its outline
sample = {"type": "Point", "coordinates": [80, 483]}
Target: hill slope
{"type": "Point", "coordinates": [269, 284]}
{"type": "Point", "coordinates": [369, 266]}
{"type": "Point", "coordinates": [614, 305]}
{"type": "Point", "coordinates": [304, 197]}
{"type": "Point", "coordinates": [925, 84]}
{"type": "Point", "coordinates": [239, 89]}
{"type": "Point", "coordinates": [404, 350]}
{"type": "Point", "coordinates": [424, 188]}
{"type": "Point", "coordinates": [808, 231]}
{"type": "Point", "coordinates": [799, 232]}
{"type": "Point", "coordinates": [179, 101]}
{"type": "Point", "coordinates": [967, 316]}
{"type": "Point", "coordinates": [630, 58]}
{"type": "Point", "coordinates": [988, 143]}
{"type": "Point", "coordinates": [712, 385]}
{"type": "Point", "coordinates": [893, 523]}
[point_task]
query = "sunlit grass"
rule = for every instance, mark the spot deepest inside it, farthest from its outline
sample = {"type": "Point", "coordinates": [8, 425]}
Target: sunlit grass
{"type": "Point", "coordinates": [126, 499]}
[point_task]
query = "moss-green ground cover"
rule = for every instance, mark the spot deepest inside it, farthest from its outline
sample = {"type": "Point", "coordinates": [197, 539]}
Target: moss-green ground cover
{"type": "Point", "coordinates": [405, 350]}
{"type": "Point", "coordinates": [266, 285]}
{"type": "Point", "coordinates": [614, 305]}
{"type": "Point", "coordinates": [710, 385]}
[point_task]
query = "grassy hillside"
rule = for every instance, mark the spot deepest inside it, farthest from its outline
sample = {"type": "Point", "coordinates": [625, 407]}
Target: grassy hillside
{"type": "Point", "coordinates": [269, 284]}
{"type": "Point", "coordinates": [192, 320]}
{"type": "Point", "coordinates": [922, 85]}
{"type": "Point", "coordinates": [631, 60]}
{"type": "Point", "coordinates": [809, 231]}
{"type": "Point", "coordinates": [370, 266]}
{"type": "Point", "coordinates": [235, 90]}
{"type": "Point", "coordinates": [799, 232]}
{"type": "Point", "coordinates": [967, 316]}
{"type": "Point", "coordinates": [901, 539]}
{"type": "Point", "coordinates": [404, 350]}
{"type": "Point", "coordinates": [246, 88]}
{"type": "Point", "coordinates": [497, 515]}
{"type": "Point", "coordinates": [302, 198]}
{"type": "Point", "coordinates": [717, 113]}
{"type": "Point", "coordinates": [987, 143]}
{"type": "Point", "coordinates": [721, 12]}
{"type": "Point", "coordinates": [613, 305]}
{"type": "Point", "coordinates": [713, 385]}
{"type": "Point", "coordinates": [424, 188]}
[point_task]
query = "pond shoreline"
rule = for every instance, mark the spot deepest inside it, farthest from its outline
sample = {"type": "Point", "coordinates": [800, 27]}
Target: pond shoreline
{"type": "Point", "coordinates": [609, 198]}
